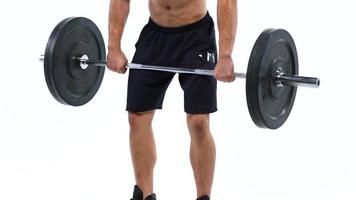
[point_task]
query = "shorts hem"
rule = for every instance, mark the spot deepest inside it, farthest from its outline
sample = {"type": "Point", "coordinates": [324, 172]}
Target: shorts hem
{"type": "Point", "coordinates": [196, 112]}
{"type": "Point", "coordinates": [134, 110]}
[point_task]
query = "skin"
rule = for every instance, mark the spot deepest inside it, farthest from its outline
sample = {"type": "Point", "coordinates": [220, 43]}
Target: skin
{"type": "Point", "coordinates": [173, 13]}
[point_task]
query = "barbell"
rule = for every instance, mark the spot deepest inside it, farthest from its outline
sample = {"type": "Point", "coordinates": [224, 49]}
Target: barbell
{"type": "Point", "coordinates": [74, 65]}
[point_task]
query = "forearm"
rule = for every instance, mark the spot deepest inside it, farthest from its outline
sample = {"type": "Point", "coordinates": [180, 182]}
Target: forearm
{"type": "Point", "coordinates": [227, 24]}
{"type": "Point", "coordinates": [118, 13]}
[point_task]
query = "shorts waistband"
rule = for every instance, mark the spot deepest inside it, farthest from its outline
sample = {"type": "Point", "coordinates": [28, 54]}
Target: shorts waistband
{"type": "Point", "coordinates": [202, 22]}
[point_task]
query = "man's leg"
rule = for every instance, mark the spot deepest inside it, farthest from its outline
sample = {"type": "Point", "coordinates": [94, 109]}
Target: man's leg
{"type": "Point", "coordinates": [143, 149]}
{"type": "Point", "coordinates": [202, 152]}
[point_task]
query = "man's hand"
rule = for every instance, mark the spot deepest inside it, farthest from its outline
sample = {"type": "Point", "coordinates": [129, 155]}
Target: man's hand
{"type": "Point", "coordinates": [117, 61]}
{"type": "Point", "coordinates": [224, 70]}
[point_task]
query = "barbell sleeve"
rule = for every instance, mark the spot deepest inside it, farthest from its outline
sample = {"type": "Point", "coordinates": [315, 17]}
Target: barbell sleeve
{"type": "Point", "coordinates": [297, 81]}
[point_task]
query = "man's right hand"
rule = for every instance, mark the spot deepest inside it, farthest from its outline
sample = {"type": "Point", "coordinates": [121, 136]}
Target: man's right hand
{"type": "Point", "coordinates": [117, 61]}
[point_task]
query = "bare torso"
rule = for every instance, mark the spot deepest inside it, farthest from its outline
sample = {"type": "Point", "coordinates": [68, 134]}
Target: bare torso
{"type": "Point", "coordinates": [173, 13]}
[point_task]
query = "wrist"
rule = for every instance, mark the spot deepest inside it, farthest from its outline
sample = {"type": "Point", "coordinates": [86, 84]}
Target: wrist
{"type": "Point", "coordinates": [225, 56]}
{"type": "Point", "coordinates": [114, 48]}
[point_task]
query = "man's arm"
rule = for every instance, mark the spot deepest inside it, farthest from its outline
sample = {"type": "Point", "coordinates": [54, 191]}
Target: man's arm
{"type": "Point", "coordinates": [227, 24]}
{"type": "Point", "coordinates": [118, 13]}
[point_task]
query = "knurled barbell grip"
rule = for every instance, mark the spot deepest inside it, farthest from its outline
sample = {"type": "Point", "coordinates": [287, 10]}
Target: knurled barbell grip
{"type": "Point", "coordinates": [178, 70]}
{"type": "Point", "coordinates": [158, 68]}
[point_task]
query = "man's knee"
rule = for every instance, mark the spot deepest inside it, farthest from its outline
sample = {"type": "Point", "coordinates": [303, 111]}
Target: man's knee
{"type": "Point", "coordinates": [198, 125]}
{"type": "Point", "coordinates": [140, 119]}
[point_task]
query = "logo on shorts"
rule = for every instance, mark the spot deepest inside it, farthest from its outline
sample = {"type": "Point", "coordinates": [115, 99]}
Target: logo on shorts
{"type": "Point", "coordinates": [209, 57]}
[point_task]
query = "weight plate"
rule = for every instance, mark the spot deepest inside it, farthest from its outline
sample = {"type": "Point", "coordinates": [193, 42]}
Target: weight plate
{"type": "Point", "coordinates": [67, 81]}
{"type": "Point", "coordinates": [269, 105]}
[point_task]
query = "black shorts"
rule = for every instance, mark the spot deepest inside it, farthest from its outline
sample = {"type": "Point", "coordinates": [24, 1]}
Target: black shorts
{"type": "Point", "coordinates": [189, 46]}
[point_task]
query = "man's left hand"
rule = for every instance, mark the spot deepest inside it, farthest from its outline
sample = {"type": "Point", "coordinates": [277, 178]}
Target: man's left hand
{"type": "Point", "coordinates": [224, 70]}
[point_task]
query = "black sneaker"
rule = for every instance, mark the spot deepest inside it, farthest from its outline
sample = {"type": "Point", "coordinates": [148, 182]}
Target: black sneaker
{"type": "Point", "coordinates": [151, 197]}
{"type": "Point", "coordinates": [205, 197]}
{"type": "Point", "coordinates": [138, 195]}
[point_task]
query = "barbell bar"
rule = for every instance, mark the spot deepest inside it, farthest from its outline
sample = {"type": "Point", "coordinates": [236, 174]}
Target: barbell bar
{"type": "Point", "coordinates": [280, 78]}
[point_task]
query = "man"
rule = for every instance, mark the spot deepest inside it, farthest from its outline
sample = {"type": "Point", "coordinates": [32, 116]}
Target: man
{"type": "Point", "coordinates": [180, 33]}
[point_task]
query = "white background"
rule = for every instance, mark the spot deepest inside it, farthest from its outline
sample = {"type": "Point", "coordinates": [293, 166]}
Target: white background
{"type": "Point", "coordinates": [52, 151]}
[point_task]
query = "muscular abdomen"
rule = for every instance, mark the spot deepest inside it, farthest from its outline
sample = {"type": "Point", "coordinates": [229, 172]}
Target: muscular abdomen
{"type": "Point", "coordinates": [172, 13]}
